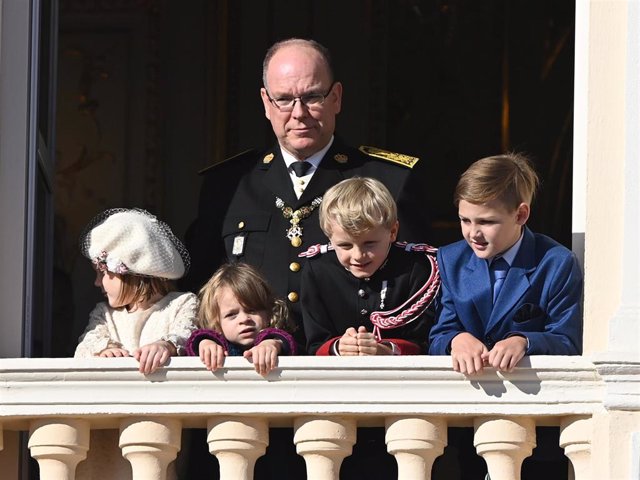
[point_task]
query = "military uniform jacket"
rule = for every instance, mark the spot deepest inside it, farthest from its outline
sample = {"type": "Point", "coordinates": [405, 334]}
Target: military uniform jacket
{"type": "Point", "coordinates": [238, 207]}
{"type": "Point", "coordinates": [334, 300]}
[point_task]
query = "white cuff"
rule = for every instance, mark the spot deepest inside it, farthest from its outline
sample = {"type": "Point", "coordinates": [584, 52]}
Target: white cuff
{"type": "Point", "coordinates": [334, 348]}
{"type": "Point", "coordinates": [395, 350]}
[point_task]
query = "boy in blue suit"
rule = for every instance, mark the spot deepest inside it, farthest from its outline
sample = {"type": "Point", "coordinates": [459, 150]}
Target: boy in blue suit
{"type": "Point", "coordinates": [537, 309]}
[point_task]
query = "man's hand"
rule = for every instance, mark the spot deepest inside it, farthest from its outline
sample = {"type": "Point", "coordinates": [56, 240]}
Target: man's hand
{"type": "Point", "coordinates": [506, 354]}
{"type": "Point", "coordinates": [467, 353]}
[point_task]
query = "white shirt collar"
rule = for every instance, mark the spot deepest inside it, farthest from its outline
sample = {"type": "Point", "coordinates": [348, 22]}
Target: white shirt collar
{"type": "Point", "coordinates": [314, 159]}
{"type": "Point", "coordinates": [300, 183]}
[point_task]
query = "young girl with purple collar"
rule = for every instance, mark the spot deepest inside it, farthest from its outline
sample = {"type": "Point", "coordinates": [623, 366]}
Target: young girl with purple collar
{"type": "Point", "coordinates": [239, 315]}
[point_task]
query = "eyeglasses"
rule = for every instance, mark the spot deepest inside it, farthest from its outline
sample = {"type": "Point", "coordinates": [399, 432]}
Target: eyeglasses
{"type": "Point", "coordinates": [310, 100]}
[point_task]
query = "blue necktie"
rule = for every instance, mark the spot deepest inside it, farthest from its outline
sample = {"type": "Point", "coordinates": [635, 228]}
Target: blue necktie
{"type": "Point", "coordinates": [499, 268]}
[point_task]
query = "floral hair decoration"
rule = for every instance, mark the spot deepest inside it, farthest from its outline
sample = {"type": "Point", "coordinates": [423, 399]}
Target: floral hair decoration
{"type": "Point", "coordinates": [105, 263]}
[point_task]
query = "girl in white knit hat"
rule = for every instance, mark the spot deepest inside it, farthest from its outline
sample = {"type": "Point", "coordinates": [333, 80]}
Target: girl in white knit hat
{"type": "Point", "coordinates": [136, 258]}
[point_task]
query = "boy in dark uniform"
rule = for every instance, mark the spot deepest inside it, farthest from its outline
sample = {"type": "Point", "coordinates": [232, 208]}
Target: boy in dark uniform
{"type": "Point", "coordinates": [262, 207]}
{"type": "Point", "coordinates": [367, 295]}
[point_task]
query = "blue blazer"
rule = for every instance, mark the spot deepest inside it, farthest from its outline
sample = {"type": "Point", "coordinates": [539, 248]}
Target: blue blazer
{"type": "Point", "coordinates": [541, 298]}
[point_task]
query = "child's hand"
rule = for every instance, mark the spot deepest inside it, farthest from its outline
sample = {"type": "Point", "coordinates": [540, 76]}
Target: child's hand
{"type": "Point", "coordinates": [154, 355]}
{"type": "Point", "coordinates": [264, 355]}
{"type": "Point", "coordinates": [348, 343]}
{"type": "Point", "coordinates": [368, 345]}
{"type": "Point", "coordinates": [361, 343]}
{"type": "Point", "coordinates": [114, 352]}
{"type": "Point", "coordinates": [211, 354]}
{"type": "Point", "coordinates": [467, 353]}
{"type": "Point", "coordinates": [506, 354]}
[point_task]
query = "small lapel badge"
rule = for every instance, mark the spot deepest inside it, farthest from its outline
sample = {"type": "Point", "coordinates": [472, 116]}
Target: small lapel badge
{"type": "Point", "coordinates": [238, 246]}
{"type": "Point", "coordinates": [341, 158]}
{"type": "Point", "coordinates": [267, 158]}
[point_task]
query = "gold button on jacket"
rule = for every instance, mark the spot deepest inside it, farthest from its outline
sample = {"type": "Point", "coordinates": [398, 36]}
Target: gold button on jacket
{"type": "Point", "coordinates": [294, 266]}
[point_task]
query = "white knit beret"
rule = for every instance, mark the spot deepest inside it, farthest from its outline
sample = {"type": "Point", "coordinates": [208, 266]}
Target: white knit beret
{"type": "Point", "coordinates": [133, 241]}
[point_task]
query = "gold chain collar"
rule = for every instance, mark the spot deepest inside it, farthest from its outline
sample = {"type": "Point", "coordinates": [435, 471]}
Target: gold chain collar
{"type": "Point", "coordinates": [294, 232]}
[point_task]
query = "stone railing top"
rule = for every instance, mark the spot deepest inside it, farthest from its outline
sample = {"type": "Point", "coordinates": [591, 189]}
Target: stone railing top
{"type": "Point", "coordinates": [360, 386]}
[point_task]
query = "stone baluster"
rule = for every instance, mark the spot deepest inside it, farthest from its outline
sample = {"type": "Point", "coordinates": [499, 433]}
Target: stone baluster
{"type": "Point", "coordinates": [237, 442]}
{"type": "Point", "coordinates": [415, 443]}
{"type": "Point", "coordinates": [59, 445]}
{"type": "Point", "coordinates": [575, 438]}
{"type": "Point", "coordinates": [150, 444]}
{"type": "Point", "coordinates": [324, 442]}
{"type": "Point", "coordinates": [504, 443]}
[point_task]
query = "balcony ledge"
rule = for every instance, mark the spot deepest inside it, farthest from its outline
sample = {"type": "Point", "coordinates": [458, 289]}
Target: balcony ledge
{"type": "Point", "coordinates": [372, 387]}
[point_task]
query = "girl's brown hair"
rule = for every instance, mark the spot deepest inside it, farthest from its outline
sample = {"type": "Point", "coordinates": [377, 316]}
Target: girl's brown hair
{"type": "Point", "coordinates": [136, 289]}
{"type": "Point", "coordinates": [250, 288]}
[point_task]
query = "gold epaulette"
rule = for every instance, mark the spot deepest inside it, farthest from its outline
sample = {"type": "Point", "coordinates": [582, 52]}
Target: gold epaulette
{"type": "Point", "coordinates": [399, 158]}
{"type": "Point", "coordinates": [206, 169]}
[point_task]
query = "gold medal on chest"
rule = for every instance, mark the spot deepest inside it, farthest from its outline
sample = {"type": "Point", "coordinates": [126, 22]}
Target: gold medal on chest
{"type": "Point", "coordinates": [294, 232]}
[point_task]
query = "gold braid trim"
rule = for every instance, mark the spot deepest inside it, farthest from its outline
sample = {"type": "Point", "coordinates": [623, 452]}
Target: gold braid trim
{"type": "Point", "coordinates": [399, 158]}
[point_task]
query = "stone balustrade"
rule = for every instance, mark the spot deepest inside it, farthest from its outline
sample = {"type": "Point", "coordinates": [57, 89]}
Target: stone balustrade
{"type": "Point", "coordinates": [61, 403]}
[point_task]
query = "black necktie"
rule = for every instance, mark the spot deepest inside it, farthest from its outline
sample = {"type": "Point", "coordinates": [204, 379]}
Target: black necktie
{"type": "Point", "coordinates": [300, 168]}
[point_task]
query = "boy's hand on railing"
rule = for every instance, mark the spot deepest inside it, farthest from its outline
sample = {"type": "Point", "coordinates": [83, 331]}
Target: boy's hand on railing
{"type": "Point", "coordinates": [361, 343]}
{"type": "Point", "coordinates": [506, 354]}
{"type": "Point", "coordinates": [348, 343]}
{"type": "Point", "coordinates": [368, 344]}
{"type": "Point", "coordinates": [467, 354]}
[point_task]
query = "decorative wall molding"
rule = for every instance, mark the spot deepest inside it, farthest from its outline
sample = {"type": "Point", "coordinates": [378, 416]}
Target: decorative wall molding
{"type": "Point", "coordinates": [620, 374]}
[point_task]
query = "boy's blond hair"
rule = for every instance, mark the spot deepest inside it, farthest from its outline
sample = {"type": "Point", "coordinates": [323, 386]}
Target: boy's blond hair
{"type": "Point", "coordinates": [508, 178]}
{"type": "Point", "coordinates": [252, 291]}
{"type": "Point", "coordinates": [358, 205]}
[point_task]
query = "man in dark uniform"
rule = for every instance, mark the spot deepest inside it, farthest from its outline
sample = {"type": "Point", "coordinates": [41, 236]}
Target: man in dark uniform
{"type": "Point", "coordinates": [261, 207]}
